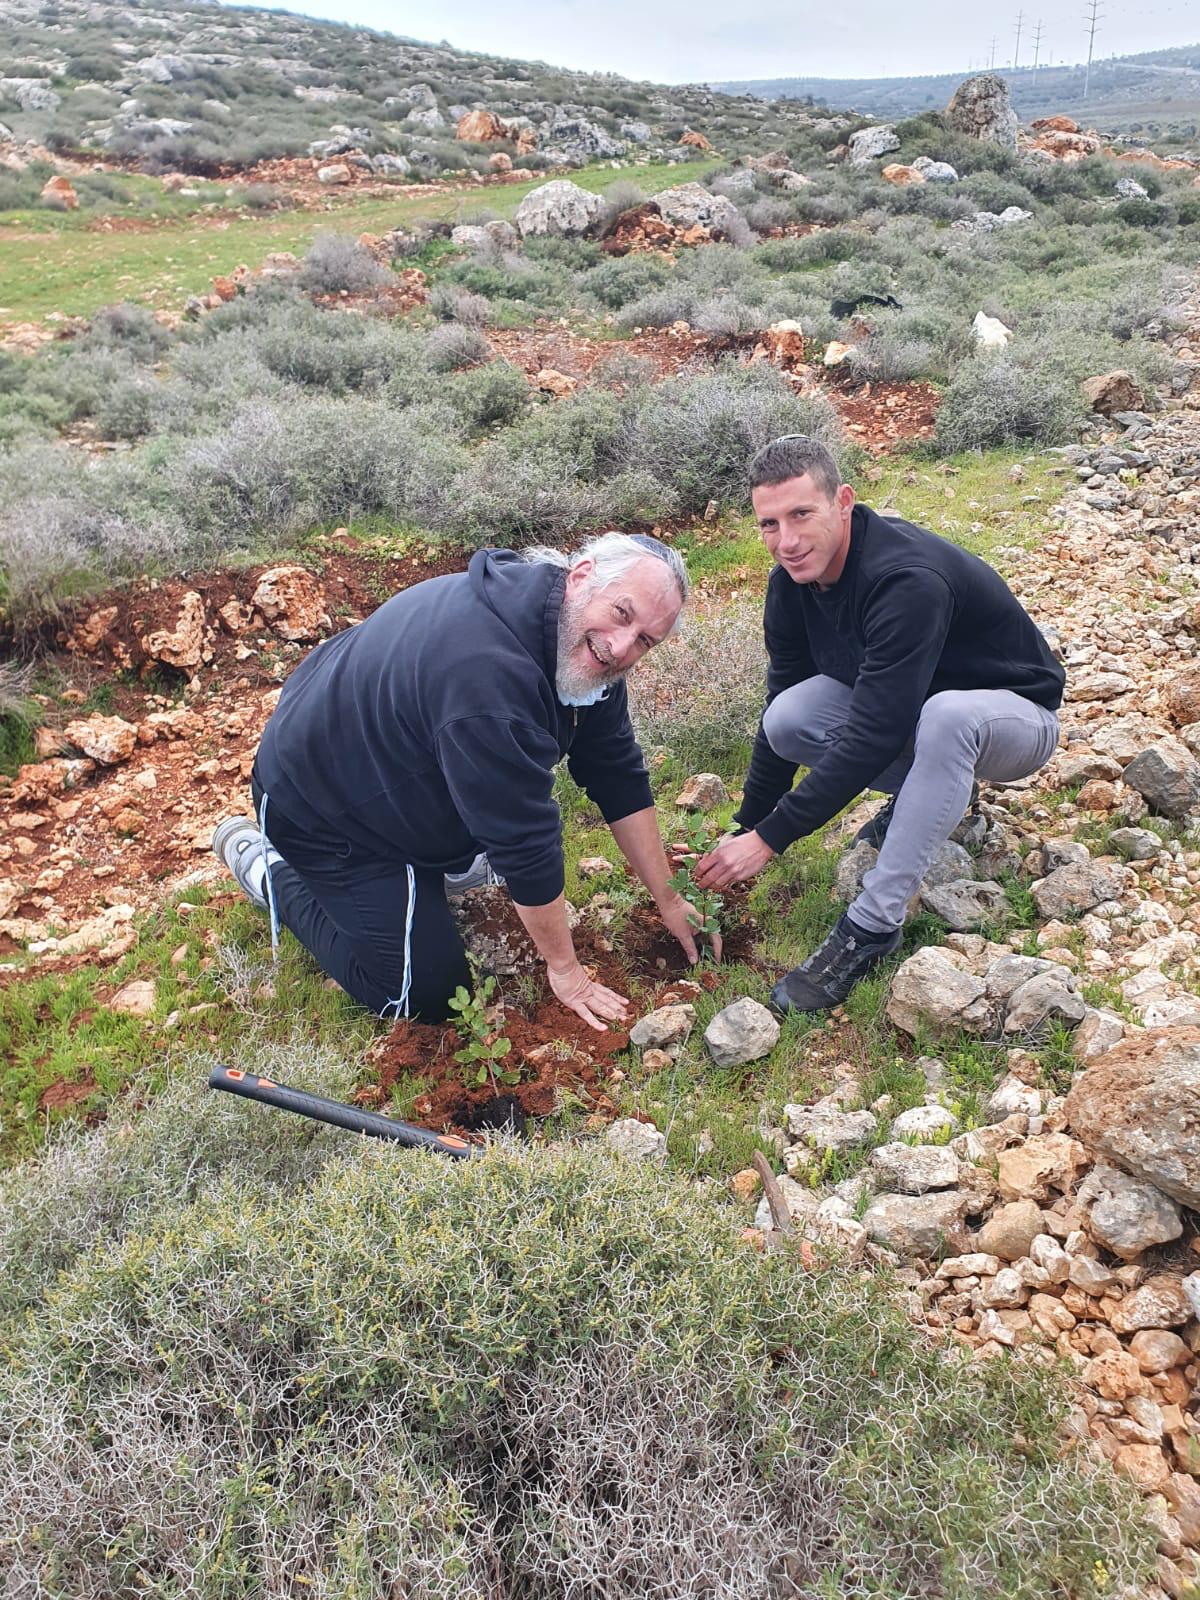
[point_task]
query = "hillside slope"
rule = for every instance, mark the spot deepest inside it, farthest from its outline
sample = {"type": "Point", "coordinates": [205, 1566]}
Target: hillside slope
{"type": "Point", "coordinates": [1152, 92]}
{"type": "Point", "coordinates": [192, 85]}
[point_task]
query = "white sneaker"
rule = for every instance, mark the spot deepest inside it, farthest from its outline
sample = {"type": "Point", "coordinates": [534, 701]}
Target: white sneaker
{"type": "Point", "coordinates": [477, 875]}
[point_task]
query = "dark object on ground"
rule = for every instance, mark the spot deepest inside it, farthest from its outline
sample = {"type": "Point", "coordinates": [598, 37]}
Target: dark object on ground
{"type": "Point", "coordinates": [829, 974]}
{"type": "Point", "coordinates": [847, 308]}
{"type": "Point", "coordinates": [335, 1111]}
{"type": "Point", "coordinates": [501, 1115]}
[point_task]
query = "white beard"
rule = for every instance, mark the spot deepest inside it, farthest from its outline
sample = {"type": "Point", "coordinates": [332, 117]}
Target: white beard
{"type": "Point", "coordinates": [573, 683]}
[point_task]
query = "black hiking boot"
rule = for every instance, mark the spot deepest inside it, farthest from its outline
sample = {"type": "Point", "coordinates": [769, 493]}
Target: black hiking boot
{"type": "Point", "coordinates": [829, 974]}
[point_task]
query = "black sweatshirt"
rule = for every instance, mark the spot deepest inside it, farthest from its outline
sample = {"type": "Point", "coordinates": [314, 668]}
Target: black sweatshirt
{"type": "Point", "coordinates": [910, 616]}
{"type": "Point", "coordinates": [431, 731]}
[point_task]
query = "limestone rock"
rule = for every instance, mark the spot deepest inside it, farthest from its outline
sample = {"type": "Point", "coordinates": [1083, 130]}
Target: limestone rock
{"type": "Point", "coordinates": [1049, 1161]}
{"type": "Point", "coordinates": [1139, 1106]}
{"type": "Point", "coordinates": [1160, 1303]}
{"type": "Point", "coordinates": [703, 791]}
{"type": "Point", "coordinates": [690, 205]}
{"type": "Point", "coordinates": [935, 171]}
{"type": "Point", "coordinates": [137, 998]}
{"type": "Point", "coordinates": [559, 207]}
{"type": "Point", "coordinates": [825, 1126]}
{"type": "Point", "coordinates": [334, 174]}
{"type": "Point", "coordinates": [981, 109]}
{"type": "Point", "coordinates": [58, 192]}
{"type": "Point", "coordinates": [1114, 391]}
{"type": "Point", "coordinates": [1167, 776]}
{"type": "Point", "coordinates": [868, 144]}
{"type": "Point", "coordinates": [965, 905]}
{"type": "Point", "coordinates": [920, 1226]}
{"type": "Point", "coordinates": [1010, 1098]}
{"type": "Point", "coordinates": [108, 740]}
{"type": "Point", "coordinates": [664, 1029]}
{"type": "Point", "coordinates": [1041, 1001]}
{"type": "Point", "coordinates": [744, 1031]}
{"type": "Point", "coordinates": [559, 384]}
{"type": "Point", "coordinates": [1158, 1350]}
{"type": "Point", "coordinates": [183, 645]}
{"type": "Point", "coordinates": [1126, 1215]}
{"type": "Point", "coordinates": [900, 175]}
{"type": "Point", "coordinates": [636, 1141]}
{"type": "Point", "coordinates": [293, 601]}
{"type": "Point", "coordinates": [928, 991]}
{"type": "Point", "coordinates": [1096, 1034]}
{"type": "Point", "coordinates": [951, 864]}
{"type": "Point", "coordinates": [1136, 844]}
{"type": "Point", "coordinates": [1079, 887]}
{"type": "Point", "coordinates": [914, 1169]}
{"type": "Point", "coordinates": [1011, 1229]}
{"type": "Point", "coordinates": [480, 127]}
{"type": "Point", "coordinates": [924, 1122]}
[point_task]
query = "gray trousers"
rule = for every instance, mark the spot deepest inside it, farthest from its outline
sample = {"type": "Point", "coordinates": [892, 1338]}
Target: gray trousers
{"type": "Point", "coordinates": [962, 734]}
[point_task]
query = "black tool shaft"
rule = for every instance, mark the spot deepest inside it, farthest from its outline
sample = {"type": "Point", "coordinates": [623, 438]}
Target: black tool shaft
{"type": "Point", "coordinates": [320, 1109]}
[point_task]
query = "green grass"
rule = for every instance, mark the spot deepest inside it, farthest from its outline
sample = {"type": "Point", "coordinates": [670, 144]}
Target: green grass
{"type": "Point", "coordinates": [68, 264]}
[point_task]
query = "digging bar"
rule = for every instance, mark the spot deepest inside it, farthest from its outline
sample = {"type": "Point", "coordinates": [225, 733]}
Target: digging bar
{"type": "Point", "coordinates": [234, 1081]}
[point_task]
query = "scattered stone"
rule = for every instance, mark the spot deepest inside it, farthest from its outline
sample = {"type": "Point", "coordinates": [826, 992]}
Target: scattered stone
{"type": "Point", "coordinates": [1045, 1162]}
{"type": "Point", "coordinates": [594, 867]}
{"type": "Point", "coordinates": [559, 384]}
{"type": "Point", "coordinates": [744, 1031]}
{"type": "Point", "coordinates": [896, 172]}
{"type": "Point", "coordinates": [745, 1185]}
{"type": "Point", "coordinates": [560, 207]}
{"type": "Point", "coordinates": [137, 998]}
{"type": "Point", "coordinates": [292, 600]}
{"type": "Point", "coordinates": [1160, 1303]}
{"type": "Point", "coordinates": [1113, 391]}
{"type": "Point", "coordinates": [1139, 1106]}
{"type": "Point", "coordinates": [183, 645]}
{"type": "Point", "coordinates": [1096, 1034]}
{"type": "Point", "coordinates": [1079, 887]}
{"type": "Point", "coordinates": [964, 905]}
{"type": "Point", "coordinates": [481, 127]}
{"type": "Point", "coordinates": [1167, 776]}
{"type": "Point", "coordinates": [929, 992]}
{"type": "Point", "coordinates": [980, 108]}
{"type": "Point", "coordinates": [914, 1169]}
{"type": "Point", "coordinates": [334, 174]}
{"type": "Point", "coordinates": [1011, 1229]}
{"type": "Point", "coordinates": [924, 1122]}
{"type": "Point", "coordinates": [1136, 844]}
{"type": "Point", "coordinates": [59, 194]}
{"type": "Point", "coordinates": [665, 1029]}
{"type": "Point", "coordinates": [690, 205]}
{"type": "Point", "coordinates": [825, 1126]}
{"type": "Point", "coordinates": [1041, 1001]}
{"type": "Point", "coordinates": [1157, 1350]}
{"type": "Point", "coordinates": [636, 1141]}
{"type": "Point", "coordinates": [1011, 1097]}
{"type": "Point", "coordinates": [703, 791]}
{"type": "Point", "coordinates": [868, 144]}
{"type": "Point", "coordinates": [921, 1226]}
{"type": "Point", "coordinates": [107, 740]}
{"type": "Point", "coordinates": [1126, 1215]}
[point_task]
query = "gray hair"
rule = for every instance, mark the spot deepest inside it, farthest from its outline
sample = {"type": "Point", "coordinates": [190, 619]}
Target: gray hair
{"type": "Point", "coordinates": [613, 554]}
{"type": "Point", "coordinates": [792, 456]}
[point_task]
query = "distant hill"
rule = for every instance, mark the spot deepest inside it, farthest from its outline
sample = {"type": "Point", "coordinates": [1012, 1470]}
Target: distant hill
{"type": "Point", "coordinates": [195, 85]}
{"type": "Point", "coordinates": [1152, 93]}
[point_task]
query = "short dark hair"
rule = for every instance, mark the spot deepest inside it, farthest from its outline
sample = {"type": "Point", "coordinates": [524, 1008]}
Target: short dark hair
{"type": "Point", "coordinates": [791, 457]}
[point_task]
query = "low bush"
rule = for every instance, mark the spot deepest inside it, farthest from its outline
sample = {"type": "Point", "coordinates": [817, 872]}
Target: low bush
{"type": "Point", "coordinates": [538, 1373]}
{"type": "Point", "coordinates": [453, 346]}
{"type": "Point", "coordinates": [336, 261]}
{"type": "Point", "coordinates": [992, 401]}
{"type": "Point", "coordinates": [700, 694]}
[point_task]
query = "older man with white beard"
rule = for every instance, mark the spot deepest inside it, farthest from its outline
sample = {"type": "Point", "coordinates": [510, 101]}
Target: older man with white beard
{"type": "Point", "coordinates": [419, 748]}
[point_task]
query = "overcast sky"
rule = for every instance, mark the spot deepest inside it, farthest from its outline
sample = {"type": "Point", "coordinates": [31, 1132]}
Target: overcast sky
{"type": "Point", "coordinates": [685, 41]}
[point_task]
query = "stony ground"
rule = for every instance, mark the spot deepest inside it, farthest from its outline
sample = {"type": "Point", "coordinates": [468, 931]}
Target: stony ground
{"type": "Point", "coordinates": [1064, 1223]}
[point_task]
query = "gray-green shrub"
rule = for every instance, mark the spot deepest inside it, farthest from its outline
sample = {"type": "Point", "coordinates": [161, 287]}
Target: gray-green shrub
{"type": "Point", "coordinates": [542, 1373]}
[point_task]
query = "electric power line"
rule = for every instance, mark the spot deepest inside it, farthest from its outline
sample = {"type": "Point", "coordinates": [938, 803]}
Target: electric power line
{"type": "Point", "coordinates": [1092, 18]}
{"type": "Point", "coordinates": [1037, 43]}
{"type": "Point", "coordinates": [1017, 46]}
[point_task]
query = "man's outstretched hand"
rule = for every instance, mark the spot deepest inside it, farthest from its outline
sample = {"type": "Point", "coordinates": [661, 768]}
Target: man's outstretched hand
{"type": "Point", "coordinates": [733, 861]}
{"type": "Point", "coordinates": [681, 918]}
{"type": "Point", "coordinates": [587, 998]}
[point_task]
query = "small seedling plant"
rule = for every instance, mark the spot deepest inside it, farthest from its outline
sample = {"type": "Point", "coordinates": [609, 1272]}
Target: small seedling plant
{"type": "Point", "coordinates": [698, 840]}
{"type": "Point", "coordinates": [479, 1024]}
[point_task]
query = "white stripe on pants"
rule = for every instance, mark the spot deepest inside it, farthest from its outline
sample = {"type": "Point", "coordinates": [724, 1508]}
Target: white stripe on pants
{"type": "Point", "coordinates": [962, 734]}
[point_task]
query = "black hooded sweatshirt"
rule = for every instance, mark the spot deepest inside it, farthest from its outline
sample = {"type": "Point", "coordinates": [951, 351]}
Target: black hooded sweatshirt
{"type": "Point", "coordinates": [431, 731]}
{"type": "Point", "coordinates": [910, 616]}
